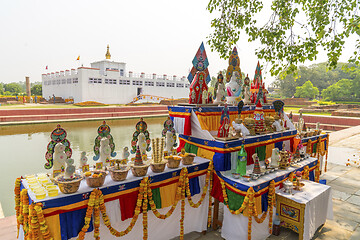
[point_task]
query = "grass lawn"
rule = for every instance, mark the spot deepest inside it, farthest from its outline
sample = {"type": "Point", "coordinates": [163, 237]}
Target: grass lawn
{"type": "Point", "coordinates": [27, 106]}
{"type": "Point", "coordinates": [296, 110]}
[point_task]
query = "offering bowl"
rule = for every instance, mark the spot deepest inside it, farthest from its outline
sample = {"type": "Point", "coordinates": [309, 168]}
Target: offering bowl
{"type": "Point", "coordinates": [119, 174]}
{"type": "Point", "coordinates": [68, 186]}
{"type": "Point", "coordinates": [96, 179]}
{"type": "Point", "coordinates": [188, 159]}
{"type": "Point", "coordinates": [158, 167]}
{"type": "Point", "coordinates": [173, 161]}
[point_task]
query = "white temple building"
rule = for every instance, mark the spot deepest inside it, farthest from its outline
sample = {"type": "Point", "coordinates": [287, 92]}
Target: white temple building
{"type": "Point", "coordinates": [108, 82]}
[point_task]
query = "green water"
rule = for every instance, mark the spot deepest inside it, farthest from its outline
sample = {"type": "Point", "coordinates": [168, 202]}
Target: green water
{"type": "Point", "coordinates": [23, 148]}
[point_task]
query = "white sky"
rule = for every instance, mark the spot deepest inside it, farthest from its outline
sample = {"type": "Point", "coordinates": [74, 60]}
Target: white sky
{"type": "Point", "coordinates": [156, 36]}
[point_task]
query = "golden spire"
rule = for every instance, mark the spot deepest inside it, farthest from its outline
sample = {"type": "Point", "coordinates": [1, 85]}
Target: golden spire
{"type": "Point", "coordinates": [108, 55]}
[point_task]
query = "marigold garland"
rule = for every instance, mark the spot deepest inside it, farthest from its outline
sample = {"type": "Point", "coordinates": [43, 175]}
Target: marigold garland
{"type": "Point", "coordinates": [97, 215]}
{"type": "Point", "coordinates": [33, 221]}
{"type": "Point", "coordinates": [144, 208]}
{"type": "Point", "coordinates": [17, 203]}
{"type": "Point", "coordinates": [42, 223]}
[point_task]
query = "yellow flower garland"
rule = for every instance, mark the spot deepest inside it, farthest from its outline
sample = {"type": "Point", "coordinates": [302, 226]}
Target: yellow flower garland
{"type": "Point", "coordinates": [17, 203]}
{"type": "Point", "coordinates": [32, 217]}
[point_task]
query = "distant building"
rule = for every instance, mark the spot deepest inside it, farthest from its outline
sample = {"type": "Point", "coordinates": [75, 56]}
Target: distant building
{"type": "Point", "coordinates": [108, 82]}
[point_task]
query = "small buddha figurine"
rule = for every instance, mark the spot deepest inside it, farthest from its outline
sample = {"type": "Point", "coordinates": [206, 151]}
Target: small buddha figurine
{"type": "Point", "coordinates": [142, 143]}
{"type": "Point", "coordinates": [219, 91]}
{"type": "Point", "coordinates": [205, 96]}
{"type": "Point", "coordinates": [83, 159]}
{"type": "Point", "coordinates": [246, 90]}
{"type": "Point", "coordinates": [70, 168]}
{"type": "Point", "coordinates": [125, 155]}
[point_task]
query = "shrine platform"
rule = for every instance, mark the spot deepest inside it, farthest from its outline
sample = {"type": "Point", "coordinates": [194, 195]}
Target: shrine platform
{"type": "Point", "coordinates": [345, 183]}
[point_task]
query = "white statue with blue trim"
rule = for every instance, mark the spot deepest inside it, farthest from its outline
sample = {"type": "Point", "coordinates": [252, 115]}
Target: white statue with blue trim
{"type": "Point", "coordinates": [234, 89]}
{"type": "Point", "coordinates": [104, 147]}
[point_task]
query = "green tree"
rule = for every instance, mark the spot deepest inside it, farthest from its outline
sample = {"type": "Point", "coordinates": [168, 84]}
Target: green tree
{"type": "Point", "coordinates": [13, 88]}
{"type": "Point", "coordinates": [36, 90]}
{"type": "Point", "coordinates": [289, 31]}
{"type": "Point", "coordinates": [317, 74]}
{"type": "Point", "coordinates": [307, 90]}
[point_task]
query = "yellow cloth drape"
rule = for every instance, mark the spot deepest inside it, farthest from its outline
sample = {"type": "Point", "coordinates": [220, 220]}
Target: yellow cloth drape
{"type": "Point", "coordinates": [211, 121]}
{"type": "Point", "coordinates": [205, 153]}
{"type": "Point", "coordinates": [269, 149]}
{"type": "Point", "coordinates": [53, 223]}
{"type": "Point", "coordinates": [168, 194]}
{"type": "Point", "coordinates": [257, 205]}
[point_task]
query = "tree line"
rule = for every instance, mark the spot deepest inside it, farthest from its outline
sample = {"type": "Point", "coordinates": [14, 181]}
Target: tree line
{"type": "Point", "coordinates": [19, 88]}
{"type": "Point", "coordinates": [316, 81]}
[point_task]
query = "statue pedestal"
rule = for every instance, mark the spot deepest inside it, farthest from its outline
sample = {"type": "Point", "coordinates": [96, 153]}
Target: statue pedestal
{"type": "Point", "coordinates": [233, 100]}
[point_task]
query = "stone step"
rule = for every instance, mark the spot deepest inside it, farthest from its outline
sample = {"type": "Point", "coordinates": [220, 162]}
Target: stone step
{"type": "Point", "coordinates": [45, 111]}
{"type": "Point", "coordinates": [16, 118]}
{"type": "Point", "coordinates": [334, 120]}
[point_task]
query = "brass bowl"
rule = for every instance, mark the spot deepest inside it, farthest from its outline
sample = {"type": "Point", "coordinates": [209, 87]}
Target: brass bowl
{"type": "Point", "coordinates": [96, 182]}
{"type": "Point", "coordinates": [158, 167]}
{"type": "Point", "coordinates": [173, 161]}
{"type": "Point", "coordinates": [139, 171]}
{"type": "Point", "coordinates": [119, 174]}
{"type": "Point", "coordinates": [68, 186]}
{"type": "Point", "coordinates": [188, 159]}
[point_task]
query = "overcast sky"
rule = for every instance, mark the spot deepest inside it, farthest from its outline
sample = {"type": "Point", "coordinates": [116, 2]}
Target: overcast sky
{"type": "Point", "coordinates": [150, 36]}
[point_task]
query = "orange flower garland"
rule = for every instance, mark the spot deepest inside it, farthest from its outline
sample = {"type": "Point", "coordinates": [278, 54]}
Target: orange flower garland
{"type": "Point", "coordinates": [182, 180]}
{"type": "Point", "coordinates": [306, 173]}
{"type": "Point", "coordinates": [42, 223]}
{"type": "Point", "coordinates": [32, 217]}
{"type": "Point", "coordinates": [88, 214]}
{"type": "Point", "coordinates": [144, 207]}
{"type": "Point", "coordinates": [97, 215]}
{"type": "Point", "coordinates": [17, 202]}
{"type": "Point", "coordinates": [133, 221]}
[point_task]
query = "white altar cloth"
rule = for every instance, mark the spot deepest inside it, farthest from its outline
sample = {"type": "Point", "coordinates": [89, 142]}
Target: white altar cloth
{"type": "Point", "coordinates": [318, 205]}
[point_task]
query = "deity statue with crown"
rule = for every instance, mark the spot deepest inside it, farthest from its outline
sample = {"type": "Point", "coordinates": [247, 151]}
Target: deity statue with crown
{"type": "Point", "coordinates": [197, 88]}
{"type": "Point", "coordinates": [258, 86]}
{"type": "Point", "coordinates": [219, 90]}
{"type": "Point", "coordinates": [199, 77]}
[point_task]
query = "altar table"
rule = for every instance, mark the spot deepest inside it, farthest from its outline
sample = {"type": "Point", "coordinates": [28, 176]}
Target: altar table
{"type": "Point", "coordinates": [65, 213]}
{"type": "Point", "coordinates": [236, 226]}
{"type": "Point", "coordinates": [306, 210]}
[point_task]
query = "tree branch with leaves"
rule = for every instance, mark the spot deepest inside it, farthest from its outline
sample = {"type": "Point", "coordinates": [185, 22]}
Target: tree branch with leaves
{"type": "Point", "coordinates": [294, 32]}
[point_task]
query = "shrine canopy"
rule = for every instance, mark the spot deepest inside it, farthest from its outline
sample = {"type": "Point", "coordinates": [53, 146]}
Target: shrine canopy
{"type": "Point", "coordinates": [200, 63]}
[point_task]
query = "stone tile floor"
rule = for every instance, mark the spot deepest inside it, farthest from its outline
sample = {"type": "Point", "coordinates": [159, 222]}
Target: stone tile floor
{"type": "Point", "coordinates": [345, 184]}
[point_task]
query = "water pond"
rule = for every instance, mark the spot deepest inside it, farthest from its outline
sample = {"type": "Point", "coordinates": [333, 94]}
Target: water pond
{"type": "Point", "coordinates": [23, 147]}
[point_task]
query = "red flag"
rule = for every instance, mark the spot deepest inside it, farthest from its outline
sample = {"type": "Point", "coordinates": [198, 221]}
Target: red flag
{"type": "Point", "coordinates": [46, 67]}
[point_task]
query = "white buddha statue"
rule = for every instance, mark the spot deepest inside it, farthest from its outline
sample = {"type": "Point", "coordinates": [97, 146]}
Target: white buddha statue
{"type": "Point", "coordinates": [59, 157]}
{"type": "Point", "coordinates": [105, 150]}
